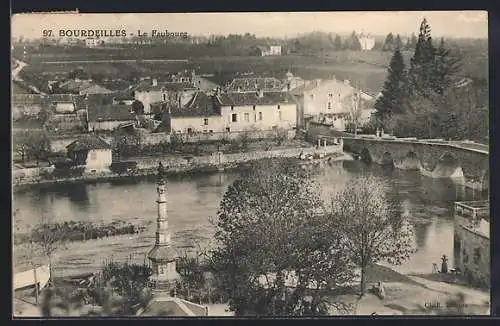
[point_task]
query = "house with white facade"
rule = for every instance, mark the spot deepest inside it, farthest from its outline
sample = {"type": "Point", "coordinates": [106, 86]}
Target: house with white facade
{"type": "Point", "coordinates": [331, 100]}
{"type": "Point", "coordinates": [270, 50]}
{"type": "Point", "coordinates": [233, 112]}
{"type": "Point", "coordinates": [367, 42]}
{"type": "Point", "coordinates": [92, 42]}
{"type": "Point", "coordinates": [92, 152]}
{"type": "Point", "coordinates": [149, 92]}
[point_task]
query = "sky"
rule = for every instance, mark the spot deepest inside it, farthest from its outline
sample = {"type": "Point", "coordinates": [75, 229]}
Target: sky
{"type": "Point", "coordinates": [467, 24]}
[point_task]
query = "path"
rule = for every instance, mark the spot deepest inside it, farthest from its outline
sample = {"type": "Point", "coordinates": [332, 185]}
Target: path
{"type": "Point", "coordinates": [15, 76]}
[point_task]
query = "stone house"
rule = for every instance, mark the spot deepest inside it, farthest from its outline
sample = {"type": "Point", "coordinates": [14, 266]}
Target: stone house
{"type": "Point", "coordinates": [233, 112]}
{"type": "Point", "coordinates": [91, 152]}
{"type": "Point", "coordinates": [329, 99]}
{"type": "Point", "coordinates": [472, 240]}
{"type": "Point", "coordinates": [149, 92]}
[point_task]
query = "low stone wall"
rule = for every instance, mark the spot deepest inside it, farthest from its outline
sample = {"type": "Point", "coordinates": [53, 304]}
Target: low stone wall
{"type": "Point", "coordinates": [58, 144]}
{"type": "Point", "coordinates": [179, 162]}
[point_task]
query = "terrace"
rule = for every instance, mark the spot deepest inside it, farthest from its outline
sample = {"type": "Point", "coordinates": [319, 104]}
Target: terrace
{"type": "Point", "coordinates": [473, 210]}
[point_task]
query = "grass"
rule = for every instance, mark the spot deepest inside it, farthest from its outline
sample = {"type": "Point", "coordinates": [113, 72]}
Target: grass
{"type": "Point", "coordinates": [367, 75]}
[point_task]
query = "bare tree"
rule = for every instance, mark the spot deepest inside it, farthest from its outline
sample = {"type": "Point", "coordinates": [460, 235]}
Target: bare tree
{"type": "Point", "coordinates": [48, 238]}
{"type": "Point", "coordinates": [31, 144]}
{"type": "Point", "coordinates": [370, 228]}
{"type": "Point", "coordinates": [356, 106]}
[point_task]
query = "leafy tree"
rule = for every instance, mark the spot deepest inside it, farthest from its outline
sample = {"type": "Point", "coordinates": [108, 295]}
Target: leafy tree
{"type": "Point", "coordinates": [371, 229]}
{"type": "Point", "coordinates": [398, 44]}
{"type": "Point", "coordinates": [392, 100]}
{"type": "Point", "coordinates": [337, 43]}
{"type": "Point", "coordinates": [127, 143]}
{"type": "Point", "coordinates": [271, 227]}
{"type": "Point", "coordinates": [138, 107]}
{"type": "Point", "coordinates": [388, 43]}
{"type": "Point", "coordinates": [355, 45]}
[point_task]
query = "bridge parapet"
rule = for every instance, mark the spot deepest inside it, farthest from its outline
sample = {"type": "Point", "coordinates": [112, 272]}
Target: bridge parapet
{"type": "Point", "coordinates": [435, 158]}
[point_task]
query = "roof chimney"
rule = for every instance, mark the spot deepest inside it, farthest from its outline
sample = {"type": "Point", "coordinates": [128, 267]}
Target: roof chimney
{"type": "Point", "coordinates": [155, 82]}
{"type": "Point", "coordinates": [260, 93]}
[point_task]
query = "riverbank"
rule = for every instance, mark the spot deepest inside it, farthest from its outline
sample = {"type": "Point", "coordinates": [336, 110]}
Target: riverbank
{"type": "Point", "coordinates": [196, 165]}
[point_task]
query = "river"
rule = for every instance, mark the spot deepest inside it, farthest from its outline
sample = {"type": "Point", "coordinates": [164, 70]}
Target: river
{"type": "Point", "coordinates": [193, 201]}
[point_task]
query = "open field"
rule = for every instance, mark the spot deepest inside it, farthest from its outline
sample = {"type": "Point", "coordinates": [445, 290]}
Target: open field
{"type": "Point", "coordinates": [368, 76]}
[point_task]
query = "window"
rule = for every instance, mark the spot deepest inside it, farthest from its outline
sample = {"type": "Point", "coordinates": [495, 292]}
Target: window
{"type": "Point", "coordinates": [205, 122]}
{"type": "Point", "coordinates": [228, 129]}
{"type": "Point", "coordinates": [254, 107]}
{"type": "Point", "coordinates": [211, 131]}
{"type": "Point", "coordinates": [330, 95]}
{"type": "Point", "coordinates": [329, 105]}
{"type": "Point", "coordinates": [204, 131]}
{"type": "Point", "coordinates": [260, 116]}
{"type": "Point", "coordinates": [255, 117]}
{"type": "Point", "coordinates": [279, 115]}
{"type": "Point", "coordinates": [247, 117]}
{"type": "Point", "coordinates": [477, 255]}
{"type": "Point", "coordinates": [311, 96]}
{"type": "Point", "coordinates": [161, 270]}
{"type": "Point", "coordinates": [164, 97]}
{"type": "Point", "coordinates": [189, 130]}
{"type": "Point", "coordinates": [234, 117]}
{"type": "Point", "coordinates": [232, 107]}
{"type": "Point", "coordinates": [93, 156]}
{"type": "Point", "coordinates": [279, 107]}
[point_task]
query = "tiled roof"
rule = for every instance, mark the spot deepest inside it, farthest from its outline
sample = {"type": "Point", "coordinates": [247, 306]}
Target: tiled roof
{"type": "Point", "coordinates": [169, 306]}
{"type": "Point", "coordinates": [199, 105]}
{"type": "Point", "coordinates": [268, 98]}
{"type": "Point", "coordinates": [254, 84]}
{"type": "Point", "coordinates": [123, 97]}
{"type": "Point", "coordinates": [95, 89]}
{"type": "Point", "coordinates": [23, 99]}
{"type": "Point", "coordinates": [88, 142]}
{"type": "Point", "coordinates": [76, 86]}
{"type": "Point", "coordinates": [110, 112]}
{"type": "Point", "coordinates": [61, 97]}
{"type": "Point", "coordinates": [147, 86]}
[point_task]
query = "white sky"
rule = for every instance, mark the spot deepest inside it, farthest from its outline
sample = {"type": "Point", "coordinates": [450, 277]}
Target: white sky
{"type": "Point", "coordinates": [470, 24]}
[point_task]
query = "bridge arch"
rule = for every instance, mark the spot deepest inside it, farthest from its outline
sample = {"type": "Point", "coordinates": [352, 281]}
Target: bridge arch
{"type": "Point", "coordinates": [365, 155]}
{"type": "Point", "coordinates": [410, 161]}
{"type": "Point", "coordinates": [448, 166]}
{"type": "Point", "coordinates": [387, 159]}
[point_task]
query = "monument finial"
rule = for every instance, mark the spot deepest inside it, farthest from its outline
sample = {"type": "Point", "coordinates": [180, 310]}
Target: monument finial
{"type": "Point", "coordinates": [161, 173]}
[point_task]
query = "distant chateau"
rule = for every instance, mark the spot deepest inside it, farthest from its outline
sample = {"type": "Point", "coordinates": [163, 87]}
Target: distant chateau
{"type": "Point", "coordinates": [367, 42]}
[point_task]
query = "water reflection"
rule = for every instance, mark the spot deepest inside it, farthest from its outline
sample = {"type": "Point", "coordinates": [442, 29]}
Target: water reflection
{"type": "Point", "coordinates": [194, 199]}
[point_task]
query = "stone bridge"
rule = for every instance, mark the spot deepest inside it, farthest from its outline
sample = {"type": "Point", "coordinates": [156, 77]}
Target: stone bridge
{"type": "Point", "coordinates": [466, 162]}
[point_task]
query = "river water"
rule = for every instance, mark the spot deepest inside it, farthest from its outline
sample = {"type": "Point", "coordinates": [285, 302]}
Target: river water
{"type": "Point", "coordinates": [193, 201]}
